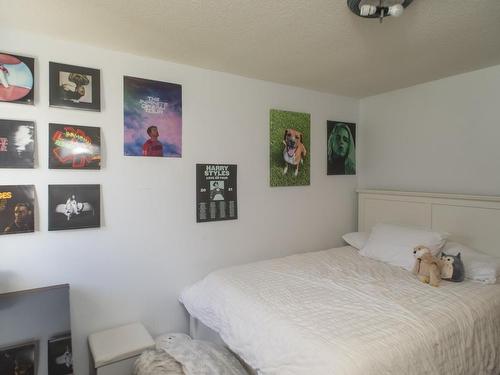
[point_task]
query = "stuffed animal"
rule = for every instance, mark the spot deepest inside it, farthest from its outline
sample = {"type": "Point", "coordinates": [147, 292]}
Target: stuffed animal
{"type": "Point", "coordinates": [427, 267]}
{"type": "Point", "coordinates": [452, 267]}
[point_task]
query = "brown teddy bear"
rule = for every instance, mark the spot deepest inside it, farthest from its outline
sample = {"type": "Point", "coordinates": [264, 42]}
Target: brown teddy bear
{"type": "Point", "coordinates": [427, 267]}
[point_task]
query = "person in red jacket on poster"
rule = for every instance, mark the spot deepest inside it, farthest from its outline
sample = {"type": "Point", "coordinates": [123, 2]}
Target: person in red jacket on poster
{"type": "Point", "coordinates": [152, 147]}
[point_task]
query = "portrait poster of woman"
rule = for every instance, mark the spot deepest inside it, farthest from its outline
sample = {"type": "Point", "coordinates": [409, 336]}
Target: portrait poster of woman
{"type": "Point", "coordinates": [341, 148]}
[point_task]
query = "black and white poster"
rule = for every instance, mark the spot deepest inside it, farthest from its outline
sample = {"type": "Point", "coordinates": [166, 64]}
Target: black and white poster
{"type": "Point", "coordinates": [74, 206]}
{"type": "Point", "coordinates": [60, 355]}
{"type": "Point", "coordinates": [216, 192]}
{"type": "Point", "coordinates": [17, 144]}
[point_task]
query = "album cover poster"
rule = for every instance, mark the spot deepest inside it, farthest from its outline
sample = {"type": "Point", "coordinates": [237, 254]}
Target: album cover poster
{"type": "Point", "coordinates": [74, 87]}
{"type": "Point", "coordinates": [17, 144]}
{"type": "Point", "coordinates": [216, 192]}
{"type": "Point", "coordinates": [17, 209]}
{"type": "Point", "coordinates": [74, 147]}
{"type": "Point", "coordinates": [152, 118]}
{"type": "Point", "coordinates": [74, 206]}
{"type": "Point", "coordinates": [17, 79]}
{"type": "Point", "coordinates": [19, 359]}
{"type": "Point", "coordinates": [341, 148]}
{"type": "Point", "coordinates": [290, 151]}
{"type": "Point", "coordinates": [60, 355]}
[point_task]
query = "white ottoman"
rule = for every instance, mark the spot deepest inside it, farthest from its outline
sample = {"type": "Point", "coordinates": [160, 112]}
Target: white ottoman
{"type": "Point", "coordinates": [115, 350]}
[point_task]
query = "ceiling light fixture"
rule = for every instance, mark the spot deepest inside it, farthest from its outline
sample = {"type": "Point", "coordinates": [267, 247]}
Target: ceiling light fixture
{"type": "Point", "coordinates": [378, 8]}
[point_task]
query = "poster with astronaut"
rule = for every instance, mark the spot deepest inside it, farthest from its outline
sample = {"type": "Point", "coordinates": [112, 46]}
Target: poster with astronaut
{"type": "Point", "coordinates": [17, 79]}
{"type": "Point", "coordinates": [17, 144]}
{"type": "Point", "coordinates": [17, 209]}
{"type": "Point", "coordinates": [216, 192]}
{"type": "Point", "coordinates": [74, 206]}
{"type": "Point", "coordinates": [75, 87]}
{"type": "Point", "coordinates": [74, 147]}
{"type": "Point", "coordinates": [60, 355]}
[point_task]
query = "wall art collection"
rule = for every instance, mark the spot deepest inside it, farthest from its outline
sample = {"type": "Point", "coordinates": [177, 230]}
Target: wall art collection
{"type": "Point", "coordinates": [152, 128]}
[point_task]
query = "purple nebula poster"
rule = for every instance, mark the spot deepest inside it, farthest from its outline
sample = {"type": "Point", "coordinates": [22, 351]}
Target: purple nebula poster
{"type": "Point", "coordinates": [152, 118]}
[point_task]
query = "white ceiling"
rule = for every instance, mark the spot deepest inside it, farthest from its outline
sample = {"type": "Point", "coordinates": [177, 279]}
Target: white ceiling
{"type": "Point", "coordinates": [316, 44]}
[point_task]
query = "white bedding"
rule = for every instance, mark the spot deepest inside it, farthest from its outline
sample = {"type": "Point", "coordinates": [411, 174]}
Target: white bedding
{"type": "Point", "coordinates": [337, 312]}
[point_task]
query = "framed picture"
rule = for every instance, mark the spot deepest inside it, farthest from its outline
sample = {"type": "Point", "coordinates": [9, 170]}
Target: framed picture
{"type": "Point", "coordinates": [289, 148]}
{"type": "Point", "coordinates": [17, 144]}
{"type": "Point", "coordinates": [153, 118]}
{"type": "Point", "coordinates": [60, 355]}
{"type": "Point", "coordinates": [216, 192]}
{"type": "Point", "coordinates": [74, 87]}
{"type": "Point", "coordinates": [74, 206]}
{"type": "Point", "coordinates": [17, 79]}
{"type": "Point", "coordinates": [341, 148]}
{"type": "Point", "coordinates": [74, 147]}
{"type": "Point", "coordinates": [17, 209]}
{"type": "Point", "coordinates": [19, 359]}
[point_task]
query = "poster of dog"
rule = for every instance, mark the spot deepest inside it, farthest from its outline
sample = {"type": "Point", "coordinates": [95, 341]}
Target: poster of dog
{"type": "Point", "coordinates": [17, 79]}
{"type": "Point", "coordinates": [289, 148]}
{"type": "Point", "coordinates": [216, 193]}
{"type": "Point", "coordinates": [60, 355]}
{"type": "Point", "coordinates": [17, 144]}
{"type": "Point", "coordinates": [74, 87]}
{"type": "Point", "coordinates": [74, 147]}
{"type": "Point", "coordinates": [153, 118]}
{"type": "Point", "coordinates": [17, 209]}
{"type": "Point", "coordinates": [341, 148]}
{"type": "Point", "coordinates": [19, 359]}
{"type": "Point", "coordinates": [74, 206]}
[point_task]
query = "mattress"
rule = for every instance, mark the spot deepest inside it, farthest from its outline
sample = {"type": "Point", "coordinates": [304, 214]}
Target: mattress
{"type": "Point", "coordinates": [337, 312]}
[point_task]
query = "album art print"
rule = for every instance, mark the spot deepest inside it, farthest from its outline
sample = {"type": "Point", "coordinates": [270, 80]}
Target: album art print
{"type": "Point", "coordinates": [75, 87]}
{"type": "Point", "coordinates": [17, 144]}
{"type": "Point", "coordinates": [74, 147]}
{"type": "Point", "coordinates": [17, 79]}
{"type": "Point", "coordinates": [341, 148]}
{"type": "Point", "coordinates": [17, 209]}
{"type": "Point", "coordinates": [216, 192]}
{"type": "Point", "coordinates": [74, 206]}
{"type": "Point", "coordinates": [19, 359]}
{"type": "Point", "coordinates": [60, 355]}
{"type": "Point", "coordinates": [289, 148]}
{"type": "Point", "coordinates": [152, 118]}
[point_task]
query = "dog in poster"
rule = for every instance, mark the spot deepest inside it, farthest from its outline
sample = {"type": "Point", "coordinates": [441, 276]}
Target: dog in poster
{"type": "Point", "coordinates": [294, 151]}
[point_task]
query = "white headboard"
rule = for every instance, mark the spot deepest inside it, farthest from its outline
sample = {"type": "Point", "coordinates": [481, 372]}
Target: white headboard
{"type": "Point", "coordinates": [470, 219]}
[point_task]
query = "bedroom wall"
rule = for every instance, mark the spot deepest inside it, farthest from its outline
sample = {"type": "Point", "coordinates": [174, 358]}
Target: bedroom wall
{"type": "Point", "coordinates": [150, 246]}
{"type": "Point", "coordinates": [440, 136]}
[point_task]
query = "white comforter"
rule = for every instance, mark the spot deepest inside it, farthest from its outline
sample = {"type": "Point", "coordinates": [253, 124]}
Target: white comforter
{"type": "Point", "coordinates": [337, 312]}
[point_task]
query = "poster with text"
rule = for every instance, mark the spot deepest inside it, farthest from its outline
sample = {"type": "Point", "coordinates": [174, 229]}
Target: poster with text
{"type": "Point", "coordinates": [216, 192]}
{"type": "Point", "coordinates": [17, 144]}
{"type": "Point", "coordinates": [17, 209]}
{"type": "Point", "coordinates": [152, 118]}
{"type": "Point", "coordinates": [17, 79]}
{"type": "Point", "coordinates": [74, 147]}
{"type": "Point", "coordinates": [74, 206]}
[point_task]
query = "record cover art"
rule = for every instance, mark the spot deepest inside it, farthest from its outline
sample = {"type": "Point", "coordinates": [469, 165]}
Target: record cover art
{"type": "Point", "coordinates": [74, 147]}
{"type": "Point", "coordinates": [17, 209]}
{"type": "Point", "coordinates": [74, 206]}
{"type": "Point", "coordinates": [17, 79]}
{"type": "Point", "coordinates": [17, 144]}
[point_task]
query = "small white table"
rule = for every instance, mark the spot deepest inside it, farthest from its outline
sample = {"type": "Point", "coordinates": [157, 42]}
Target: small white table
{"type": "Point", "coordinates": [114, 351]}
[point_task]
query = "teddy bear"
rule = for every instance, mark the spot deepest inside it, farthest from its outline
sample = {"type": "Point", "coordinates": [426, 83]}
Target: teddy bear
{"type": "Point", "coordinates": [427, 267]}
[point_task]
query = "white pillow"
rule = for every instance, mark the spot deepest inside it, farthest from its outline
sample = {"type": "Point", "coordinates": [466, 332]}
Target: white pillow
{"type": "Point", "coordinates": [394, 244]}
{"type": "Point", "coordinates": [478, 266]}
{"type": "Point", "coordinates": [356, 239]}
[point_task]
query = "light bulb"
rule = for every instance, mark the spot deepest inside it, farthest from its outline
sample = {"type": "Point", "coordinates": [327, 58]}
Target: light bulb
{"type": "Point", "coordinates": [396, 10]}
{"type": "Point", "coordinates": [367, 10]}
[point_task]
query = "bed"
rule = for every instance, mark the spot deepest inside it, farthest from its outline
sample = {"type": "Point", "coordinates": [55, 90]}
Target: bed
{"type": "Point", "coordinates": [337, 312]}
